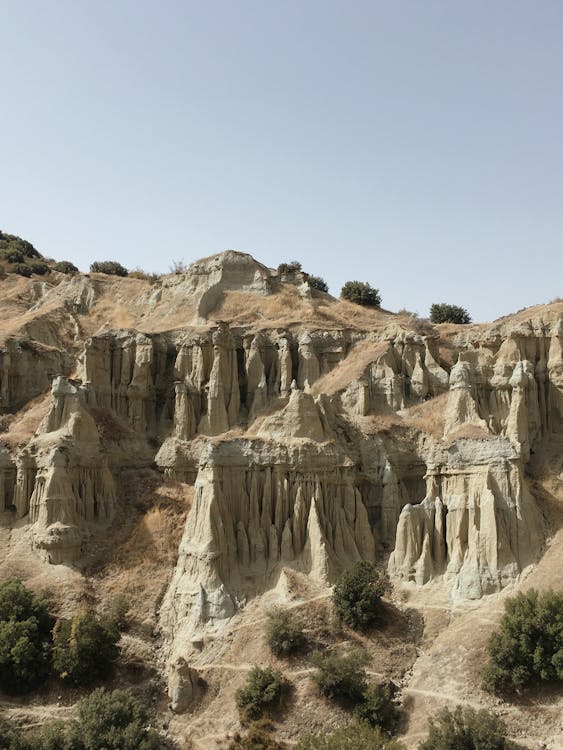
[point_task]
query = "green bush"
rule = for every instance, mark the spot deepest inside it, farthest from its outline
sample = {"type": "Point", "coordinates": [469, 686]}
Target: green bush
{"type": "Point", "coordinates": [357, 595]}
{"type": "Point", "coordinates": [529, 645]}
{"type": "Point", "coordinates": [317, 282]}
{"type": "Point", "coordinates": [12, 242]}
{"type": "Point", "coordinates": [114, 720]}
{"type": "Point", "coordinates": [284, 632]}
{"type": "Point", "coordinates": [65, 266]}
{"type": "Point", "coordinates": [12, 255]}
{"type": "Point", "coordinates": [352, 737]}
{"type": "Point", "coordinates": [25, 630]}
{"type": "Point", "coordinates": [57, 735]}
{"type": "Point", "coordinates": [23, 269]}
{"type": "Point", "coordinates": [106, 721]}
{"type": "Point", "coordinates": [341, 676]}
{"type": "Point", "coordinates": [378, 708]}
{"type": "Point", "coordinates": [257, 737]}
{"type": "Point", "coordinates": [110, 267]}
{"type": "Point", "coordinates": [293, 266]}
{"type": "Point", "coordinates": [264, 691]}
{"type": "Point", "coordinates": [85, 648]}
{"type": "Point", "coordinates": [444, 313]}
{"type": "Point", "coordinates": [466, 729]}
{"type": "Point", "coordinates": [361, 293]}
{"type": "Point", "coordinates": [39, 267]}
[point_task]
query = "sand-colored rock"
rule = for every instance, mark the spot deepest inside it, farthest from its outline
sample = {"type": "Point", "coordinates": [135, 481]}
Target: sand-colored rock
{"type": "Point", "coordinates": [314, 434]}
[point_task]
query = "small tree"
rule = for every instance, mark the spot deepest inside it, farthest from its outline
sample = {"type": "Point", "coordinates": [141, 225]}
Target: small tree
{"type": "Point", "coordinates": [317, 282]}
{"type": "Point", "coordinates": [352, 737]}
{"type": "Point", "coordinates": [357, 595]}
{"type": "Point", "coordinates": [341, 676]}
{"type": "Point", "coordinates": [265, 690]}
{"type": "Point", "coordinates": [284, 632]}
{"type": "Point", "coordinates": [529, 645]}
{"type": "Point", "coordinates": [114, 721]}
{"type": "Point", "coordinates": [85, 648]}
{"type": "Point", "coordinates": [111, 267]}
{"type": "Point", "coordinates": [23, 269]}
{"type": "Point", "coordinates": [444, 313]}
{"type": "Point", "coordinates": [361, 293]}
{"type": "Point", "coordinates": [466, 729]}
{"type": "Point", "coordinates": [378, 708]}
{"type": "Point", "coordinates": [39, 267]}
{"type": "Point", "coordinates": [25, 629]}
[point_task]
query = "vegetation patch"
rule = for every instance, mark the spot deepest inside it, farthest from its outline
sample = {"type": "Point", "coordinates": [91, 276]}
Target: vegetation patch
{"type": "Point", "coordinates": [341, 675]}
{"type": "Point", "coordinates": [442, 312]}
{"type": "Point", "coordinates": [284, 632]}
{"type": "Point", "coordinates": [378, 707]}
{"type": "Point", "coordinates": [265, 691]}
{"type": "Point", "coordinates": [529, 645]}
{"type": "Point", "coordinates": [25, 638]}
{"type": "Point", "coordinates": [353, 737]}
{"type": "Point", "coordinates": [85, 648]}
{"type": "Point", "coordinates": [361, 293]}
{"type": "Point", "coordinates": [357, 595]}
{"type": "Point", "coordinates": [111, 267]}
{"type": "Point", "coordinates": [467, 729]}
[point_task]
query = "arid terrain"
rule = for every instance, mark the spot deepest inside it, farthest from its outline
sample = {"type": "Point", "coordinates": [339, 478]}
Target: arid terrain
{"type": "Point", "coordinates": [218, 441]}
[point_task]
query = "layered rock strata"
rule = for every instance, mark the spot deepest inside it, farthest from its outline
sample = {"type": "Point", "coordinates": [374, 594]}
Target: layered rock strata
{"type": "Point", "coordinates": [303, 444]}
{"type": "Point", "coordinates": [63, 483]}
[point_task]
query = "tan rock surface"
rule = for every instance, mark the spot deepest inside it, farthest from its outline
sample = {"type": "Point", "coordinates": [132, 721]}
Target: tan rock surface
{"type": "Point", "coordinates": [308, 432]}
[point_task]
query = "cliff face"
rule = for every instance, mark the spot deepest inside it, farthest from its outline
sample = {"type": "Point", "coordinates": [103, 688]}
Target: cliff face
{"type": "Point", "coordinates": [338, 435]}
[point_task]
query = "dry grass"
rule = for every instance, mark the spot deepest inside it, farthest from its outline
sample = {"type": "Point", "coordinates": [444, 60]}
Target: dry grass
{"type": "Point", "coordinates": [428, 416]}
{"type": "Point", "coordinates": [470, 431]}
{"type": "Point", "coordinates": [374, 424]}
{"type": "Point", "coordinates": [109, 426]}
{"type": "Point", "coordinates": [24, 423]}
{"type": "Point", "coordinates": [351, 368]}
{"type": "Point", "coordinates": [136, 560]}
{"type": "Point", "coordinates": [286, 308]}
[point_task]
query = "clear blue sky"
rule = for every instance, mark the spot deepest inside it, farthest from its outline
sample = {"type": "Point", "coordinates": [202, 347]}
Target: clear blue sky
{"type": "Point", "coordinates": [415, 145]}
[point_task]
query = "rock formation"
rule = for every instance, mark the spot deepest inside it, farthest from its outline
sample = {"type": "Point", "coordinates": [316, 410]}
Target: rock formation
{"type": "Point", "coordinates": [306, 443]}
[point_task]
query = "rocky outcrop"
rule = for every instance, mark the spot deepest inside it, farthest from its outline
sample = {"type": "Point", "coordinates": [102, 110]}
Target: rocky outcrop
{"type": "Point", "coordinates": [185, 686]}
{"type": "Point", "coordinates": [63, 482]}
{"type": "Point", "coordinates": [27, 368]}
{"type": "Point", "coordinates": [478, 524]}
{"type": "Point", "coordinates": [258, 509]}
{"type": "Point", "coordinates": [405, 372]}
{"type": "Point", "coordinates": [302, 440]}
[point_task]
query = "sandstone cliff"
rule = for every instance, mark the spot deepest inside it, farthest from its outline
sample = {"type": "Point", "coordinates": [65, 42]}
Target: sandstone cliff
{"type": "Point", "coordinates": [314, 433]}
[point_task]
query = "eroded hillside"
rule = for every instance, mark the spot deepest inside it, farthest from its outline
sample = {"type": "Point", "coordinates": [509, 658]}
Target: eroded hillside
{"type": "Point", "coordinates": [216, 441]}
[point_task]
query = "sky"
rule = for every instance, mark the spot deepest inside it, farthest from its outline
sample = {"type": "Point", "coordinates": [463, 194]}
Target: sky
{"type": "Point", "coordinates": [416, 145]}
